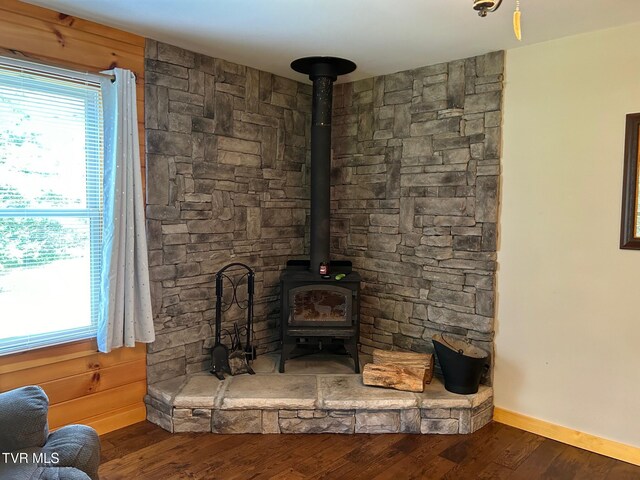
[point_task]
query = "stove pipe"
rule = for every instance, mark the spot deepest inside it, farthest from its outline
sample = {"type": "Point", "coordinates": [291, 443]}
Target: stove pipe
{"type": "Point", "coordinates": [322, 71]}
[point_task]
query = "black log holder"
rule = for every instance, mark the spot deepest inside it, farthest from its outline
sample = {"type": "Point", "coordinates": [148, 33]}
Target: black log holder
{"type": "Point", "coordinates": [220, 352]}
{"type": "Point", "coordinates": [462, 364]}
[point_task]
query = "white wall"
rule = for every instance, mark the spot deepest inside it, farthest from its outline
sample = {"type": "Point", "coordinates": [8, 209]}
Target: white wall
{"type": "Point", "coordinates": [568, 321]}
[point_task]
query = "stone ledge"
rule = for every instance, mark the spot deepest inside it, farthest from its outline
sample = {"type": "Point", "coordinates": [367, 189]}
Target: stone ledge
{"type": "Point", "coordinates": [323, 391]}
{"type": "Point", "coordinates": [348, 391]}
{"type": "Point", "coordinates": [166, 390]}
{"type": "Point", "coordinates": [307, 403]}
{"type": "Point", "coordinates": [270, 392]}
{"type": "Point", "coordinates": [436, 396]}
{"type": "Point", "coordinates": [199, 391]}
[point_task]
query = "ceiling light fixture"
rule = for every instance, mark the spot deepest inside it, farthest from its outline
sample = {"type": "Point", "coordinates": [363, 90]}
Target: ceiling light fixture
{"type": "Point", "coordinates": [487, 6]}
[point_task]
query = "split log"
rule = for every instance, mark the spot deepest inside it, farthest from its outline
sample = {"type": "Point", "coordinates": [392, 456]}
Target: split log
{"type": "Point", "coordinates": [405, 359]}
{"type": "Point", "coordinates": [410, 379]}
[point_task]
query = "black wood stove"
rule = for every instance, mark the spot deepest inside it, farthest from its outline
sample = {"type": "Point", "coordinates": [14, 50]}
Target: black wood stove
{"type": "Point", "coordinates": [319, 297]}
{"type": "Point", "coordinates": [319, 312]}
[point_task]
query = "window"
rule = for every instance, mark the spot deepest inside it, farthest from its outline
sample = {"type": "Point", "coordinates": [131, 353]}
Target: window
{"type": "Point", "coordinates": [51, 154]}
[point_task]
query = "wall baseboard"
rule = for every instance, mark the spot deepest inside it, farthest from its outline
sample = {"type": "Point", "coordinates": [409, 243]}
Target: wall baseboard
{"type": "Point", "coordinates": [586, 441]}
{"type": "Point", "coordinates": [115, 420]}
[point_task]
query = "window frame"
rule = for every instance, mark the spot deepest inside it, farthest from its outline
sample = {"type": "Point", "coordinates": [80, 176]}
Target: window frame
{"type": "Point", "coordinates": [93, 209]}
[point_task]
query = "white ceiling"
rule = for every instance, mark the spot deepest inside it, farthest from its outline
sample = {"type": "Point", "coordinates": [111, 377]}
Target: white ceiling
{"type": "Point", "coordinates": [380, 36]}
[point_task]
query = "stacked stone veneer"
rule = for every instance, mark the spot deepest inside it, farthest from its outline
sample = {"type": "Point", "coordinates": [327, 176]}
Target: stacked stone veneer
{"type": "Point", "coordinates": [226, 181]}
{"type": "Point", "coordinates": [415, 177]}
{"type": "Point", "coordinates": [415, 200]}
{"type": "Point", "coordinates": [426, 421]}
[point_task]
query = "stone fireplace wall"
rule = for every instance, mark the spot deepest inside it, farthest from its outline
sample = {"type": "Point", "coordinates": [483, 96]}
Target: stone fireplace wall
{"type": "Point", "coordinates": [415, 200]}
{"type": "Point", "coordinates": [226, 181]}
{"type": "Point", "coordinates": [415, 177]}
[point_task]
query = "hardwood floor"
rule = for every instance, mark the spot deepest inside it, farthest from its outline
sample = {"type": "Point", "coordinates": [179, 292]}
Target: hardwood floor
{"type": "Point", "coordinates": [145, 451]}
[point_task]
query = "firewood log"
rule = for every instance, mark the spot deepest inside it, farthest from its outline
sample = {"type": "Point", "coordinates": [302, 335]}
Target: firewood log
{"type": "Point", "coordinates": [410, 379]}
{"type": "Point", "coordinates": [405, 359]}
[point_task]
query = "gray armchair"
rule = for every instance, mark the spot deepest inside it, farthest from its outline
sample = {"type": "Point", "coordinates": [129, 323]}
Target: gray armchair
{"type": "Point", "coordinates": [27, 451]}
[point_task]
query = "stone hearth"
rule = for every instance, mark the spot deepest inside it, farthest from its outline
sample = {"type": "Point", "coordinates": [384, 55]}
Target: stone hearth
{"type": "Point", "coordinates": [308, 399]}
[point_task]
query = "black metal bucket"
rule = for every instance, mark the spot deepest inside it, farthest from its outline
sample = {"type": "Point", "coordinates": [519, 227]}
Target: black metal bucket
{"type": "Point", "coordinates": [462, 364]}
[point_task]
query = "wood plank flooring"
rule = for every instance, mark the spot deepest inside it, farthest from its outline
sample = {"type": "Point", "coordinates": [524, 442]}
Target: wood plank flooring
{"type": "Point", "coordinates": [145, 451]}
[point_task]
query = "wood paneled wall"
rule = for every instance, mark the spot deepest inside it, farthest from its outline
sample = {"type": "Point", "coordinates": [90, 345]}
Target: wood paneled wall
{"type": "Point", "coordinates": [102, 390]}
{"type": "Point", "coordinates": [58, 39]}
{"type": "Point", "coordinates": [84, 386]}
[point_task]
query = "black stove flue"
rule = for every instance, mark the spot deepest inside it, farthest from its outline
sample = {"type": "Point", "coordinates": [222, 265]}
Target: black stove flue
{"type": "Point", "coordinates": [317, 309]}
{"type": "Point", "coordinates": [322, 71]}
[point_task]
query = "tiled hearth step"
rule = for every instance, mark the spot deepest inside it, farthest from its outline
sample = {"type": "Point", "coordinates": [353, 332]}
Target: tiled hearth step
{"type": "Point", "coordinates": [310, 403]}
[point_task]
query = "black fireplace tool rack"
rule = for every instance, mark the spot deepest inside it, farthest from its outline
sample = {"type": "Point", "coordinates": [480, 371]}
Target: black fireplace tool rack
{"type": "Point", "coordinates": [220, 352]}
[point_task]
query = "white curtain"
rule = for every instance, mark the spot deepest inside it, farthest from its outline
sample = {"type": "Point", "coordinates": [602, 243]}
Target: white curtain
{"type": "Point", "coordinates": [125, 301]}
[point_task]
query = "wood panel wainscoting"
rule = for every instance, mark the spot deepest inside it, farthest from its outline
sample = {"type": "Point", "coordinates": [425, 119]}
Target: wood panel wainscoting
{"type": "Point", "coordinates": [84, 386]}
{"type": "Point", "coordinates": [102, 390]}
{"type": "Point", "coordinates": [586, 441]}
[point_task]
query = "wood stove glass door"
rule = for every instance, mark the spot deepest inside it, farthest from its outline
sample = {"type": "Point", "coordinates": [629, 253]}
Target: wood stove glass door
{"type": "Point", "coordinates": [320, 306]}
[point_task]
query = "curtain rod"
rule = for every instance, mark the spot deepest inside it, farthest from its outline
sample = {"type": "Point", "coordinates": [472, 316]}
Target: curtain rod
{"type": "Point", "coordinates": [18, 55]}
{"type": "Point", "coordinates": [106, 75]}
